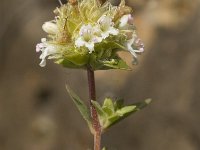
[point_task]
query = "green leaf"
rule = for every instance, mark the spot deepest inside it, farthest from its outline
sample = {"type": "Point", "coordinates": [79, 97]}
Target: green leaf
{"type": "Point", "coordinates": [118, 104]}
{"type": "Point", "coordinates": [108, 106]}
{"type": "Point", "coordinates": [120, 64]}
{"type": "Point", "coordinates": [112, 120]}
{"type": "Point", "coordinates": [105, 56]}
{"type": "Point", "coordinates": [83, 109]}
{"type": "Point", "coordinates": [141, 105]}
{"type": "Point", "coordinates": [98, 108]}
{"type": "Point", "coordinates": [120, 115]}
{"type": "Point", "coordinates": [123, 112]}
{"type": "Point", "coordinates": [111, 112]}
{"type": "Point", "coordinates": [101, 114]}
{"type": "Point", "coordinates": [78, 59]}
{"type": "Point", "coordinates": [66, 63]}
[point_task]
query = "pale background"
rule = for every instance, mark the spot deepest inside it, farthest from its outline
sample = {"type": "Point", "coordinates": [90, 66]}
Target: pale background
{"type": "Point", "coordinates": [36, 112]}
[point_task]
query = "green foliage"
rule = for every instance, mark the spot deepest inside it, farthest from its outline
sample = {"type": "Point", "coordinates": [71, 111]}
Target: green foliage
{"type": "Point", "coordinates": [111, 112]}
{"type": "Point", "coordinates": [83, 109]}
{"type": "Point", "coordinates": [105, 56]}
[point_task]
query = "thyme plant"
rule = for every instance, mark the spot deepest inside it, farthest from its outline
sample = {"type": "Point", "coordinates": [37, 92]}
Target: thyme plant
{"type": "Point", "coordinates": [88, 34]}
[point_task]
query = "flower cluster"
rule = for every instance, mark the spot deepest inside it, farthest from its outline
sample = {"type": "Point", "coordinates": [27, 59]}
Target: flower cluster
{"type": "Point", "coordinates": [90, 33]}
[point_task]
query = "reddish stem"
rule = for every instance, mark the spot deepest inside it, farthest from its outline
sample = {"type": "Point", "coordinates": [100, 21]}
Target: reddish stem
{"type": "Point", "coordinates": [92, 96]}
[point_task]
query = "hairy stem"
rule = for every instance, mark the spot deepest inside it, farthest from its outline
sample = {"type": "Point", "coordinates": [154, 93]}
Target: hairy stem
{"type": "Point", "coordinates": [92, 96]}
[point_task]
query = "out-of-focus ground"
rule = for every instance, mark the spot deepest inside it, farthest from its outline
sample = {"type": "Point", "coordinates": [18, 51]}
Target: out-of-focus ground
{"type": "Point", "coordinates": [36, 112]}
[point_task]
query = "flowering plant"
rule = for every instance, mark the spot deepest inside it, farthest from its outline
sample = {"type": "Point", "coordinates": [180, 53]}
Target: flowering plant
{"type": "Point", "coordinates": [88, 34]}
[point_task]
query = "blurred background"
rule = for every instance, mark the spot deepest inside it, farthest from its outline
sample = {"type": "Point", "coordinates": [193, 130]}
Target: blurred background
{"type": "Point", "coordinates": [36, 112]}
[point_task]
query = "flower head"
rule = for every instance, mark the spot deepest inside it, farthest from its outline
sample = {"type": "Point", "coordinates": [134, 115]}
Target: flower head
{"type": "Point", "coordinates": [90, 33]}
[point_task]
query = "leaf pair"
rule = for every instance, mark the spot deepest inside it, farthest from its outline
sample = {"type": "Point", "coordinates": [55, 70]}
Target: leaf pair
{"type": "Point", "coordinates": [110, 113]}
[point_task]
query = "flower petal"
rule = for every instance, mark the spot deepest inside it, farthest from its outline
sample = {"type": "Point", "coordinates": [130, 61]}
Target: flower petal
{"type": "Point", "coordinates": [80, 42]}
{"type": "Point", "coordinates": [136, 42]}
{"type": "Point", "coordinates": [43, 63]}
{"type": "Point", "coordinates": [90, 46]}
{"type": "Point", "coordinates": [113, 31]}
{"type": "Point", "coordinates": [46, 49]}
{"type": "Point", "coordinates": [105, 35]}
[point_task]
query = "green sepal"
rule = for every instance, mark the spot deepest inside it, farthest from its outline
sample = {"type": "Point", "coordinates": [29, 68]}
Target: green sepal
{"type": "Point", "coordinates": [71, 26]}
{"type": "Point", "coordinates": [83, 109]}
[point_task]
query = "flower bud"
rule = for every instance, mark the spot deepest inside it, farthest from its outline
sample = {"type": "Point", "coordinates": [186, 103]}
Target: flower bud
{"type": "Point", "coordinates": [50, 27]}
{"type": "Point", "coordinates": [126, 20]}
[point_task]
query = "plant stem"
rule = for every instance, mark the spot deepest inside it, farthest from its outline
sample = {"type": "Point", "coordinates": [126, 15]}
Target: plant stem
{"type": "Point", "coordinates": [92, 96]}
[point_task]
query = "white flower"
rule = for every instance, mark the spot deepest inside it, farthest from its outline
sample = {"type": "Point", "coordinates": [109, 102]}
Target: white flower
{"type": "Point", "coordinates": [106, 26]}
{"type": "Point", "coordinates": [46, 49]}
{"type": "Point", "coordinates": [50, 27]}
{"type": "Point", "coordinates": [126, 21]}
{"type": "Point", "coordinates": [135, 45]}
{"type": "Point", "coordinates": [87, 38]}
